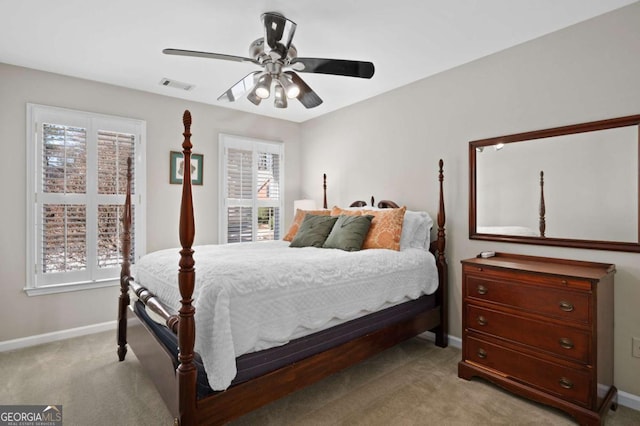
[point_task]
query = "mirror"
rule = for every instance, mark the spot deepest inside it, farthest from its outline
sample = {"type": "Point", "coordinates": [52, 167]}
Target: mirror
{"type": "Point", "coordinates": [572, 186]}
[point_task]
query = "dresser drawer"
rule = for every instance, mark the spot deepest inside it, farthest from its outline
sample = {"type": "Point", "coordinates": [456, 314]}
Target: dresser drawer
{"type": "Point", "coordinates": [564, 382]}
{"type": "Point", "coordinates": [567, 342]}
{"type": "Point", "coordinates": [552, 302]}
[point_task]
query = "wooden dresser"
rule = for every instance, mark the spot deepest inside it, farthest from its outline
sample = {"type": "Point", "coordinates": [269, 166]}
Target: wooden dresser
{"type": "Point", "coordinates": [541, 328]}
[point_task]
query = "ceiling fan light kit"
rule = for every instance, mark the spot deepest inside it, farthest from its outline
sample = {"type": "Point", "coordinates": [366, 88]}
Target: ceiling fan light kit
{"type": "Point", "coordinates": [253, 98]}
{"type": "Point", "coordinates": [291, 90]}
{"type": "Point", "coordinates": [263, 88]}
{"type": "Point", "coordinates": [280, 100]}
{"type": "Point", "coordinates": [279, 58]}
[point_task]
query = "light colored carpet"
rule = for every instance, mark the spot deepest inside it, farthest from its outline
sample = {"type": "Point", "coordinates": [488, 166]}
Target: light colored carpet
{"type": "Point", "coordinates": [415, 383]}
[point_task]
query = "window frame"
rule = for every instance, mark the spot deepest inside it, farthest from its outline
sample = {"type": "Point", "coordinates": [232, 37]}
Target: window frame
{"type": "Point", "coordinates": [94, 277]}
{"type": "Point", "coordinates": [226, 141]}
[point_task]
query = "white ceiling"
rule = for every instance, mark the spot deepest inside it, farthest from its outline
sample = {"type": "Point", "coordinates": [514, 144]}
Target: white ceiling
{"type": "Point", "coordinates": [120, 41]}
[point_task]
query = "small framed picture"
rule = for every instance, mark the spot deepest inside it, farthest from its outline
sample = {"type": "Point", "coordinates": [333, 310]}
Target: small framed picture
{"type": "Point", "coordinates": [176, 168]}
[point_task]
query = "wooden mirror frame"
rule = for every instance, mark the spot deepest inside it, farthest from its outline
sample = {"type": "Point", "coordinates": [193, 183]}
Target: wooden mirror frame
{"type": "Point", "coordinates": [539, 134]}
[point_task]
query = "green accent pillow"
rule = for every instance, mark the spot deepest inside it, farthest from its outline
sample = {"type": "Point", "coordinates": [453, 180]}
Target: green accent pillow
{"type": "Point", "coordinates": [313, 231]}
{"type": "Point", "coordinates": [349, 232]}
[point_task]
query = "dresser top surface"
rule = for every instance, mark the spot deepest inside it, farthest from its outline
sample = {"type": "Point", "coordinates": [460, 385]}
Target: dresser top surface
{"type": "Point", "coordinates": [545, 265]}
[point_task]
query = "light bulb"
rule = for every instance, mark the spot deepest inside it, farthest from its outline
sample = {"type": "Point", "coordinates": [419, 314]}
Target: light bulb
{"type": "Point", "coordinates": [291, 89]}
{"type": "Point", "coordinates": [262, 92]}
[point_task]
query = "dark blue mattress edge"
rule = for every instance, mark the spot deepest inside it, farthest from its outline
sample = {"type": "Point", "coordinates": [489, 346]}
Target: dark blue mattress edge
{"type": "Point", "coordinates": [255, 364]}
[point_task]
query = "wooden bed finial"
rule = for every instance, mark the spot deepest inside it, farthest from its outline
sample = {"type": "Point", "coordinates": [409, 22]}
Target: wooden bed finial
{"type": "Point", "coordinates": [186, 120]}
{"type": "Point", "coordinates": [186, 372]}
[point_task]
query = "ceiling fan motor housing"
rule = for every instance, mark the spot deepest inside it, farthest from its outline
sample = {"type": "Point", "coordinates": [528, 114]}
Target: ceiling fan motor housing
{"type": "Point", "coordinates": [278, 33]}
{"type": "Point", "coordinates": [256, 51]}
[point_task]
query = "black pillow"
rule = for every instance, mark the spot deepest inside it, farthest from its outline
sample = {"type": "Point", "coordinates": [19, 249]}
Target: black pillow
{"type": "Point", "coordinates": [349, 232]}
{"type": "Point", "coordinates": [314, 229]}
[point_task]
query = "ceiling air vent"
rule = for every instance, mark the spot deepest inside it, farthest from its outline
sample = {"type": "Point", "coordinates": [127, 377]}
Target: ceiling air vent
{"type": "Point", "coordinates": [176, 84]}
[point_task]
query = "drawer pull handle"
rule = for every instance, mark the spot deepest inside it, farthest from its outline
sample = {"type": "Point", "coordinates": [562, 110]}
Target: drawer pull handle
{"type": "Point", "coordinates": [482, 353]}
{"type": "Point", "coordinates": [566, 343]}
{"type": "Point", "coordinates": [482, 289]}
{"type": "Point", "coordinates": [566, 306]}
{"type": "Point", "coordinates": [482, 320]}
{"type": "Point", "coordinates": [565, 383]}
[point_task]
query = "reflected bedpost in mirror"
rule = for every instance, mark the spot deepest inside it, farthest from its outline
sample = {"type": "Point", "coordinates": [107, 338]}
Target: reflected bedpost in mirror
{"type": "Point", "coordinates": [573, 186]}
{"type": "Point", "coordinates": [543, 209]}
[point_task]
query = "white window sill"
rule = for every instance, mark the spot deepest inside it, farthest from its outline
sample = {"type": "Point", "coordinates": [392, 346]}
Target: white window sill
{"type": "Point", "coordinates": [65, 288]}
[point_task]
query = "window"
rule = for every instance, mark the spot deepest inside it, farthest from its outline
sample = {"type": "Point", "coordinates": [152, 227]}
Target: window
{"type": "Point", "coordinates": [77, 180]}
{"type": "Point", "coordinates": [252, 189]}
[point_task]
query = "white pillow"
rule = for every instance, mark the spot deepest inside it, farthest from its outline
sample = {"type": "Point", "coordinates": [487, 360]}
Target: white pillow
{"type": "Point", "coordinates": [416, 230]}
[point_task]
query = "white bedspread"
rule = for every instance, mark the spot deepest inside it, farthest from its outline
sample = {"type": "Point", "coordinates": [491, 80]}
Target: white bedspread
{"type": "Point", "coordinates": [254, 296]}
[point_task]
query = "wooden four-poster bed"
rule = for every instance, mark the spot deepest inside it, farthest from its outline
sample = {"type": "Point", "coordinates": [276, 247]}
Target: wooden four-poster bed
{"type": "Point", "coordinates": [177, 371]}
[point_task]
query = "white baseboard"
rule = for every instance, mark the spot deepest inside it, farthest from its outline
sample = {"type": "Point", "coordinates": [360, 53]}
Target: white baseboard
{"type": "Point", "coordinates": [629, 400]}
{"type": "Point", "coordinates": [454, 341]}
{"type": "Point", "coordinates": [9, 345]}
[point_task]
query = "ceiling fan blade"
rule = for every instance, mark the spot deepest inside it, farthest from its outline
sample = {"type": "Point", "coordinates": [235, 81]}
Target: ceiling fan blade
{"type": "Point", "coordinates": [208, 55]}
{"type": "Point", "coordinates": [307, 96]}
{"type": "Point", "coordinates": [238, 90]}
{"type": "Point", "coordinates": [278, 33]}
{"type": "Point", "coordinates": [334, 66]}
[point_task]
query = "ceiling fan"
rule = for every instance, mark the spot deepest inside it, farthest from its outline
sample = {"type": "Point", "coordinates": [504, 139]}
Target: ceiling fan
{"type": "Point", "coordinates": [279, 60]}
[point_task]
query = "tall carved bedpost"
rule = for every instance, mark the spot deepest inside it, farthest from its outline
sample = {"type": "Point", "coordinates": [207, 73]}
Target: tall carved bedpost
{"type": "Point", "coordinates": [543, 209]}
{"type": "Point", "coordinates": [324, 190]}
{"type": "Point", "coordinates": [442, 336]}
{"type": "Point", "coordinates": [125, 269]}
{"type": "Point", "coordinates": [186, 372]}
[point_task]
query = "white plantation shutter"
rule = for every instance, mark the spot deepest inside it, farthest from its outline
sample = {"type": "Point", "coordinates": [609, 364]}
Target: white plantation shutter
{"type": "Point", "coordinates": [113, 150]}
{"type": "Point", "coordinates": [239, 195]}
{"type": "Point", "coordinates": [110, 235]}
{"type": "Point", "coordinates": [64, 159]}
{"type": "Point", "coordinates": [63, 240]}
{"type": "Point", "coordinates": [77, 165]}
{"type": "Point", "coordinates": [251, 182]}
{"type": "Point", "coordinates": [268, 197]}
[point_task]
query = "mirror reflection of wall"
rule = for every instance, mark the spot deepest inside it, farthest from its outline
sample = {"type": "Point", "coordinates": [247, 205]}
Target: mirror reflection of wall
{"type": "Point", "coordinates": [591, 186]}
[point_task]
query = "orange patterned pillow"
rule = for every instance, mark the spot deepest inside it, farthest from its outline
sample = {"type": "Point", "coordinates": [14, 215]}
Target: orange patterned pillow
{"type": "Point", "coordinates": [337, 211]}
{"type": "Point", "coordinates": [297, 220]}
{"type": "Point", "coordinates": [386, 229]}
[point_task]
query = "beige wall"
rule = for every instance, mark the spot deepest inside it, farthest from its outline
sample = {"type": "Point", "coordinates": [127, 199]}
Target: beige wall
{"type": "Point", "coordinates": [23, 316]}
{"type": "Point", "coordinates": [388, 146]}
